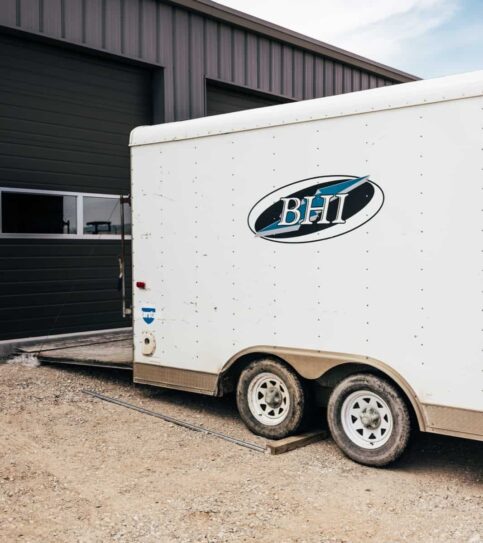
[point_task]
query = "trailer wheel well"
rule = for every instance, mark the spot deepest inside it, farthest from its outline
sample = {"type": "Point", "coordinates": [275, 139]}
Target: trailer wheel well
{"type": "Point", "coordinates": [327, 381]}
{"type": "Point", "coordinates": [230, 376]}
{"type": "Point", "coordinates": [334, 376]}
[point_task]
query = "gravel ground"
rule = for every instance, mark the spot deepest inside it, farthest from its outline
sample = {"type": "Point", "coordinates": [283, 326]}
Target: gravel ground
{"type": "Point", "coordinates": [75, 469]}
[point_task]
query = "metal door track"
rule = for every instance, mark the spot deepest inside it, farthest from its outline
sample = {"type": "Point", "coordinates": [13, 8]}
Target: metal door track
{"type": "Point", "coordinates": [271, 447]}
{"type": "Point", "coordinates": [194, 427]}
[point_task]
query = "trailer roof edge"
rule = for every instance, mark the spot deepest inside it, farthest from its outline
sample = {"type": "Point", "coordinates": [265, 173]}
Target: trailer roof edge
{"type": "Point", "coordinates": [354, 103]}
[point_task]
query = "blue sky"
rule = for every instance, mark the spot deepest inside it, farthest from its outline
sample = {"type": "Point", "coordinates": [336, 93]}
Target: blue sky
{"type": "Point", "coordinates": [429, 38]}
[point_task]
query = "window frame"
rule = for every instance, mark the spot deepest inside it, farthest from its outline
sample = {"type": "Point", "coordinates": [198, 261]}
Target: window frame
{"type": "Point", "coordinates": [79, 215]}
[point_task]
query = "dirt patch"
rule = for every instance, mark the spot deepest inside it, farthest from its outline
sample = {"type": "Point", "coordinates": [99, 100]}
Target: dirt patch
{"type": "Point", "coordinates": [75, 469]}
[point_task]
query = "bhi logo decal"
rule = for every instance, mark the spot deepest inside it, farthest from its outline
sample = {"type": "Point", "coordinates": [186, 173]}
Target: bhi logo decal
{"type": "Point", "coordinates": [315, 209]}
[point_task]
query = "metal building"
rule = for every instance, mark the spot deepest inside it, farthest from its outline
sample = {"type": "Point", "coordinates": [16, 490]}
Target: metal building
{"type": "Point", "coordinates": [76, 77]}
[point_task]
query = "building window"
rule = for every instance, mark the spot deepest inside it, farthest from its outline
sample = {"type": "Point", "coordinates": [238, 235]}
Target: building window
{"type": "Point", "coordinates": [103, 216]}
{"type": "Point", "coordinates": [28, 213]}
{"type": "Point", "coordinates": [38, 214]}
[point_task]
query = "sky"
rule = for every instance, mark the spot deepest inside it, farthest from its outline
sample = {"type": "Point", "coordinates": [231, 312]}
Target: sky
{"type": "Point", "coordinates": [428, 38]}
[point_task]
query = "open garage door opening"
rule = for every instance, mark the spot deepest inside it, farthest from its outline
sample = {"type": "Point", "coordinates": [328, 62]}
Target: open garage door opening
{"type": "Point", "coordinates": [222, 98]}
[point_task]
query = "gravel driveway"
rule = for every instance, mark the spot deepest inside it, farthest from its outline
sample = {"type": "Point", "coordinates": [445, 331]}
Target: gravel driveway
{"type": "Point", "coordinates": [75, 469]}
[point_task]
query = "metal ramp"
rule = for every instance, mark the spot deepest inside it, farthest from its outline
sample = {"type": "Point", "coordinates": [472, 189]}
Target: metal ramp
{"type": "Point", "coordinates": [108, 350]}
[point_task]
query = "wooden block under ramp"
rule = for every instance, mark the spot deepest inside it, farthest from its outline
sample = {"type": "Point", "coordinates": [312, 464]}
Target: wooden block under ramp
{"type": "Point", "coordinates": [281, 446]}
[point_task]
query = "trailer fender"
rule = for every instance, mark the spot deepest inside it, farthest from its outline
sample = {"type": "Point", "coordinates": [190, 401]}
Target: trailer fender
{"type": "Point", "coordinates": [314, 365]}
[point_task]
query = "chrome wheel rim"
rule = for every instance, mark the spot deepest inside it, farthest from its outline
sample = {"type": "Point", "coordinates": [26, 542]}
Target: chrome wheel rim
{"type": "Point", "coordinates": [268, 399]}
{"type": "Point", "coordinates": [366, 419]}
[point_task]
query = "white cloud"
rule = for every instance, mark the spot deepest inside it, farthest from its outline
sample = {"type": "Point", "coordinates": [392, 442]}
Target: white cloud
{"type": "Point", "coordinates": [379, 29]}
{"type": "Point", "coordinates": [388, 38]}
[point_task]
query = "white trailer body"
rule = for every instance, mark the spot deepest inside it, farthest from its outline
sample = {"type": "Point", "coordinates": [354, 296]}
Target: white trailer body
{"type": "Point", "coordinates": [349, 224]}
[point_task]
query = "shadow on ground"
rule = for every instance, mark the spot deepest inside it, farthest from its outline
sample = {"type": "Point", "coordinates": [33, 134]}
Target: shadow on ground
{"type": "Point", "coordinates": [432, 452]}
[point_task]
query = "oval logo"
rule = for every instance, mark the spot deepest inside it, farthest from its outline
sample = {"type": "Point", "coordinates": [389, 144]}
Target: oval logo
{"type": "Point", "coordinates": [315, 209]}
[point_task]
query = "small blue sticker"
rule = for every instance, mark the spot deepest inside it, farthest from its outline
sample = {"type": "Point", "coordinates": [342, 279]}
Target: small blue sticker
{"type": "Point", "coordinates": [148, 314]}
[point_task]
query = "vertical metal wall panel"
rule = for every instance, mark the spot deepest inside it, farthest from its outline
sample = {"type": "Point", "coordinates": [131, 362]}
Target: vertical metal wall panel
{"type": "Point", "coordinates": [130, 28]}
{"type": "Point", "coordinates": [9, 14]}
{"type": "Point", "coordinates": [329, 87]}
{"type": "Point", "coordinates": [338, 79]}
{"type": "Point", "coordinates": [30, 15]}
{"type": "Point", "coordinates": [165, 54]}
{"type": "Point", "coordinates": [308, 76]}
{"type": "Point", "coordinates": [225, 53]}
{"type": "Point", "coordinates": [356, 80]}
{"type": "Point", "coordinates": [196, 73]}
{"type": "Point", "coordinates": [275, 68]}
{"type": "Point", "coordinates": [364, 80]}
{"type": "Point", "coordinates": [94, 32]}
{"type": "Point", "coordinates": [149, 31]}
{"type": "Point", "coordinates": [239, 58]}
{"type": "Point", "coordinates": [165, 38]}
{"type": "Point", "coordinates": [73, 19]}
{"type": "Point", "coordinates": [319, 76]}
{"type": "Point", "coordinates": [347, 79]}
{"type": "Point", "coordinates": [263, 64]}
{"type": "Point", "coordinates": [52, 18]}
{"type": "Point", "coordinates": [287, 70]}
{"type": "Point", "coordinates": [263, 57]}
{"type": "Point", "coordinates": [251, 65]}
{"type": "Point", "coordinates": [211, 48]}
{"type": "Point", "coordinates": [298, 74]}
{"type": "Point", "coordinates": [181, 64]}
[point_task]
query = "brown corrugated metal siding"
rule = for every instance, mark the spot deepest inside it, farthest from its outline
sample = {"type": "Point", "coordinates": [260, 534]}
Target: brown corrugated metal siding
{"type": "Point", "coordinates": [190, 46]}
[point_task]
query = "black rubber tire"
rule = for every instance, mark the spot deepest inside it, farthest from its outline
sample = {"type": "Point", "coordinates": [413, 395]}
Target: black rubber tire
{"type": "Point", "coordinates": [294, 388]}
{"type": "Point", "coordinates": [401, 430]}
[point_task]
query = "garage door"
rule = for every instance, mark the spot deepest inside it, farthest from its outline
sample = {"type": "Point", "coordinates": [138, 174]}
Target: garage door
{"type": "Point", "coordinates": [224, 99]}
{"type": "Point", "coordinates": [65, 118]}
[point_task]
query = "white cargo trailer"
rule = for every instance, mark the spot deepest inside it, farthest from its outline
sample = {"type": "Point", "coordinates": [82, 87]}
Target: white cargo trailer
{"type": "Point", "coordinates": [328, 249]}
